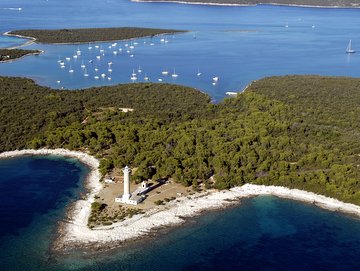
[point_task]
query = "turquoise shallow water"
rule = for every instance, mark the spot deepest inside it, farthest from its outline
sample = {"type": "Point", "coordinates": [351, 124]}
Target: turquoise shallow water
{"type": "Point", "coordinates": [236, 44]}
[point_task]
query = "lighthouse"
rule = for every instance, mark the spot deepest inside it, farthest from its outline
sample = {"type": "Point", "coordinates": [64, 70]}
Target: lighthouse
{"type": "Point", "coordinates": [126, 195]}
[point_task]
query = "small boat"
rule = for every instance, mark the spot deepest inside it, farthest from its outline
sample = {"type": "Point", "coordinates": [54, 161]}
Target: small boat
{"type": "Point", "coordinates": [109, 78]}
{"type": "Point", "coordinates": [85, 73]}
{"type": "Point", "coordinates": [146, 78]}
{"type": "Point", "coordinates": [103, 75]}
{"type": "Point", "coordinates": [160, 80]}
{"type": "Point", "coordinates": [89, 47]}
{"type": "Point", "coordinates": [164, 72]}
{"type": "Point", "coordinates": [133, 73]}
{"type": "Point", "coordinates": [67, 58]}
{"type": "Point", "coordinates": [71, 70]}
{"type": "Point", "coordinates": [96, 77]}
{"type": "Point", "coordinates": [83, 65]}
{"type": "Point", "coordinates": [349, 50]}
{"type": "Point", "coordinates": [97, 46]}
{"type": "Point", "coordinates": [174, 75]}
{"type": "Point", "coordinates": [109, 70]}
{"type": "Point", "coordinates": [198, 73]}
{"type": "Point", "coordinates": [215, 79]}
{"type": "Point", "coordinates": [139, 69]}
{"type": "Point", "coordinates": [78, 52]}
{"type": "Point", "coordinates": [98, 57]}
{"type": "Point", "coordinates": [131, 55]}
{"type": "Point", "coordinates": [58, 81]}
{"type": "Point", "coordinates": [115, 52]}
{"type": "Point", "coordinates": [133, 78]}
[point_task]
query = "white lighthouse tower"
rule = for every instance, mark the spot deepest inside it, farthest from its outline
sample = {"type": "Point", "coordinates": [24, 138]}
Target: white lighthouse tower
{"type": "Point", "coordinates": [126, 196]}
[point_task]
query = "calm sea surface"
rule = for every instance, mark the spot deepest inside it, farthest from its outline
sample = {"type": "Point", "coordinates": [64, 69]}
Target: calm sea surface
{"type": "Point", "coordinates": [236, 44]}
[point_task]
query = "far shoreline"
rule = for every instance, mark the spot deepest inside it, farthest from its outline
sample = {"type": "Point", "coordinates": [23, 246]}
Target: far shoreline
{"type": "Point", "coordinates": [32, 39]}
{"type": "Point", "coordinates": [74, 234]}
{"type": "Point", "coordinates": [243, 5]}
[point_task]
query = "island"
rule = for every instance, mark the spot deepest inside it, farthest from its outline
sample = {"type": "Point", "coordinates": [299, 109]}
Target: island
{"type": "Point", "coordinates": [12, 54]}
{"type": "Point", "coordinates": [304, 3]}
{"type": "Point", "coordinates": [179, 154]}
{"type": "Point", "coordinates": [83, 35]}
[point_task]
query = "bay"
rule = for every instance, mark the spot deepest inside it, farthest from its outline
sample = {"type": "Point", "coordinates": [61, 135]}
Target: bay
{"type": "Point", "coordinates": [236, 44]}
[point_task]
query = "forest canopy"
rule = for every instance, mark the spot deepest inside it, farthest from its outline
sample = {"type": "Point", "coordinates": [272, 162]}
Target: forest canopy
{"type": "Point", "coordinates": [80, 35]}
{"type": "Point", "coordinates": [296, 131]}
{"type": "Point", "coordinates": [10, 54]}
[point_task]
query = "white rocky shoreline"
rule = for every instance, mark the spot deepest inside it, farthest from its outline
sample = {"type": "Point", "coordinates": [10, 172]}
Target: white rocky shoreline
{"type": "Point", "coordinates": [75, 234]}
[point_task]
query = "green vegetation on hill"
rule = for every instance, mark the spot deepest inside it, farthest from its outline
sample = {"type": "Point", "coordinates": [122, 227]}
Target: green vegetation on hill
{"type": "Point", "coordinates": [295, 131]}
{"type": "Point", "coordinates": [10, 54]}
{"type": "Point", "coordinates": [91, 34]}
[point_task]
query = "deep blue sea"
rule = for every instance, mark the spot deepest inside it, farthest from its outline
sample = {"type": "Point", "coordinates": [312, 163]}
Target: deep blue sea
{"type": "Point", "coordinates": [237, 44]}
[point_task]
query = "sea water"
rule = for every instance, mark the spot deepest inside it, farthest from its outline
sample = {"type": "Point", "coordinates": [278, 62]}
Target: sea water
{"type": "Point", "coordinates": [34, 192]}
{"type": "Point", "coordinates": [235, 44]}
{"type": "Point", "coordinates": [262, 233]}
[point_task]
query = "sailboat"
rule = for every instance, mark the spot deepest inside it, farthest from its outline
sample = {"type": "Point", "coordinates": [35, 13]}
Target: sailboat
{"type": "Point", "coordinates": [174, 75]}
{"type": "Point", "coordinates": [349, 50]}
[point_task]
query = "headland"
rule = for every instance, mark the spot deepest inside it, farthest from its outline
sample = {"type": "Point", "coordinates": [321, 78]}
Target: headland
{"type": "Point", "coordinates": [74, 232]}
{"type": "Point", "coordinates": [7, 55]}
{"type": "Point", "coordinates": [297, 132]}
{"type": "Point", "coordinates": [85, 35]}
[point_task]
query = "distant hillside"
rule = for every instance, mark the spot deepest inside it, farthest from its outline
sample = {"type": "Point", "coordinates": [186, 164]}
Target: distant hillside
{"type": "Point", "coordinates": [323, 3]}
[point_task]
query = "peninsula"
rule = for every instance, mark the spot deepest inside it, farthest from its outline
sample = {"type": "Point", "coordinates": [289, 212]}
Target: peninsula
{"type": "Point", "coordinates": [83, 35]}
{"type": "Point", "coordinates": [303, 3]}
{"type": "Point", "coordinates": [289, 133]}
{"type": "Point", "coordinates": [12, 54]}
